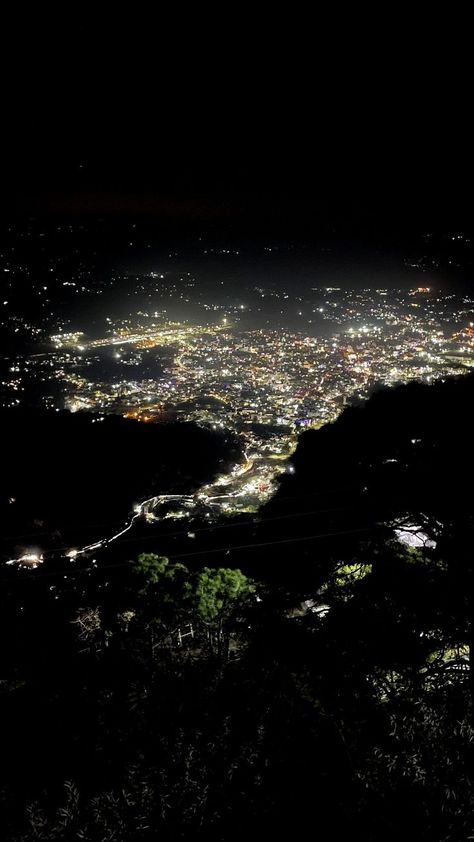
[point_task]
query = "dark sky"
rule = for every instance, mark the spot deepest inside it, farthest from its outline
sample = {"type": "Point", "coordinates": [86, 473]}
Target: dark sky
{"type": "Point", "coordinates": [246, 126]}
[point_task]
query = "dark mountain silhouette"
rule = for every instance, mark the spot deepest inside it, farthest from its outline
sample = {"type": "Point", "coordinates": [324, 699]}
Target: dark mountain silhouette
{"type": "Point", "coordinates": [406, 453]}
{"type": "Point", "coordinates": [411, 443]}
{"type": "Point", "coordinates": [68, 471]}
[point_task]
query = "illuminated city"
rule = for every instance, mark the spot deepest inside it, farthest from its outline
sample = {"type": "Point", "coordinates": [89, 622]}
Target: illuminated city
{"type": "Point", "coordinates": [266, 384]}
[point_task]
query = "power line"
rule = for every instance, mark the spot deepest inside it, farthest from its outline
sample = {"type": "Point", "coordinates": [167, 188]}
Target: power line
{"type": "Point", "coordinates": [319, 535]}
{"type": "Point", "coordinates": [33, 536]}
{"type": "Point", "coordinates": [238, 525]}
{"type": "Point", "coordinates": [279, 541]}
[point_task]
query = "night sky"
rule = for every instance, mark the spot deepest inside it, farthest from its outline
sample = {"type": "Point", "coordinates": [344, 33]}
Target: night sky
{"type": "Point", "coordinates": [253, 130]}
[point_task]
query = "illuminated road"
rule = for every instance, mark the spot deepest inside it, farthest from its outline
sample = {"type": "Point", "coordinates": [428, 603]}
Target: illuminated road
{"type": "Point", "coordinates": [203, 497]}
{"type": "Point", "coordinates": [243, 489]}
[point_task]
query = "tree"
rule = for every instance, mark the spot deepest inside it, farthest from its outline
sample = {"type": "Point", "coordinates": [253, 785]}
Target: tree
{"type": "Point", "coordinates": [219, 595]}
{"type": "Point", "coordinates": [211, 598]}
{"type": "Point", "coordinates": [164, 596]}
{"type": "Point", "coordinates": [151, 568]}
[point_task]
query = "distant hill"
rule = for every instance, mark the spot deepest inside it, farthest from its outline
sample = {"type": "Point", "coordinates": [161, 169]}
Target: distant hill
{"type": "Point", "coordinates": [68, 470]}
{"type": "Point", "coordinates": [409, 444]}
{"type": "Point", "coordinates": [406, 454]}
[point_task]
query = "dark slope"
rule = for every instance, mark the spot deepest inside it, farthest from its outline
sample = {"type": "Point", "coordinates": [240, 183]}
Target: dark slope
{"type": "Point", "coordinates": [410, 443]}
{"type": "Point", "coordinates": [63, 470]}
{"type": "Point", "coordinates": [407, 452]}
